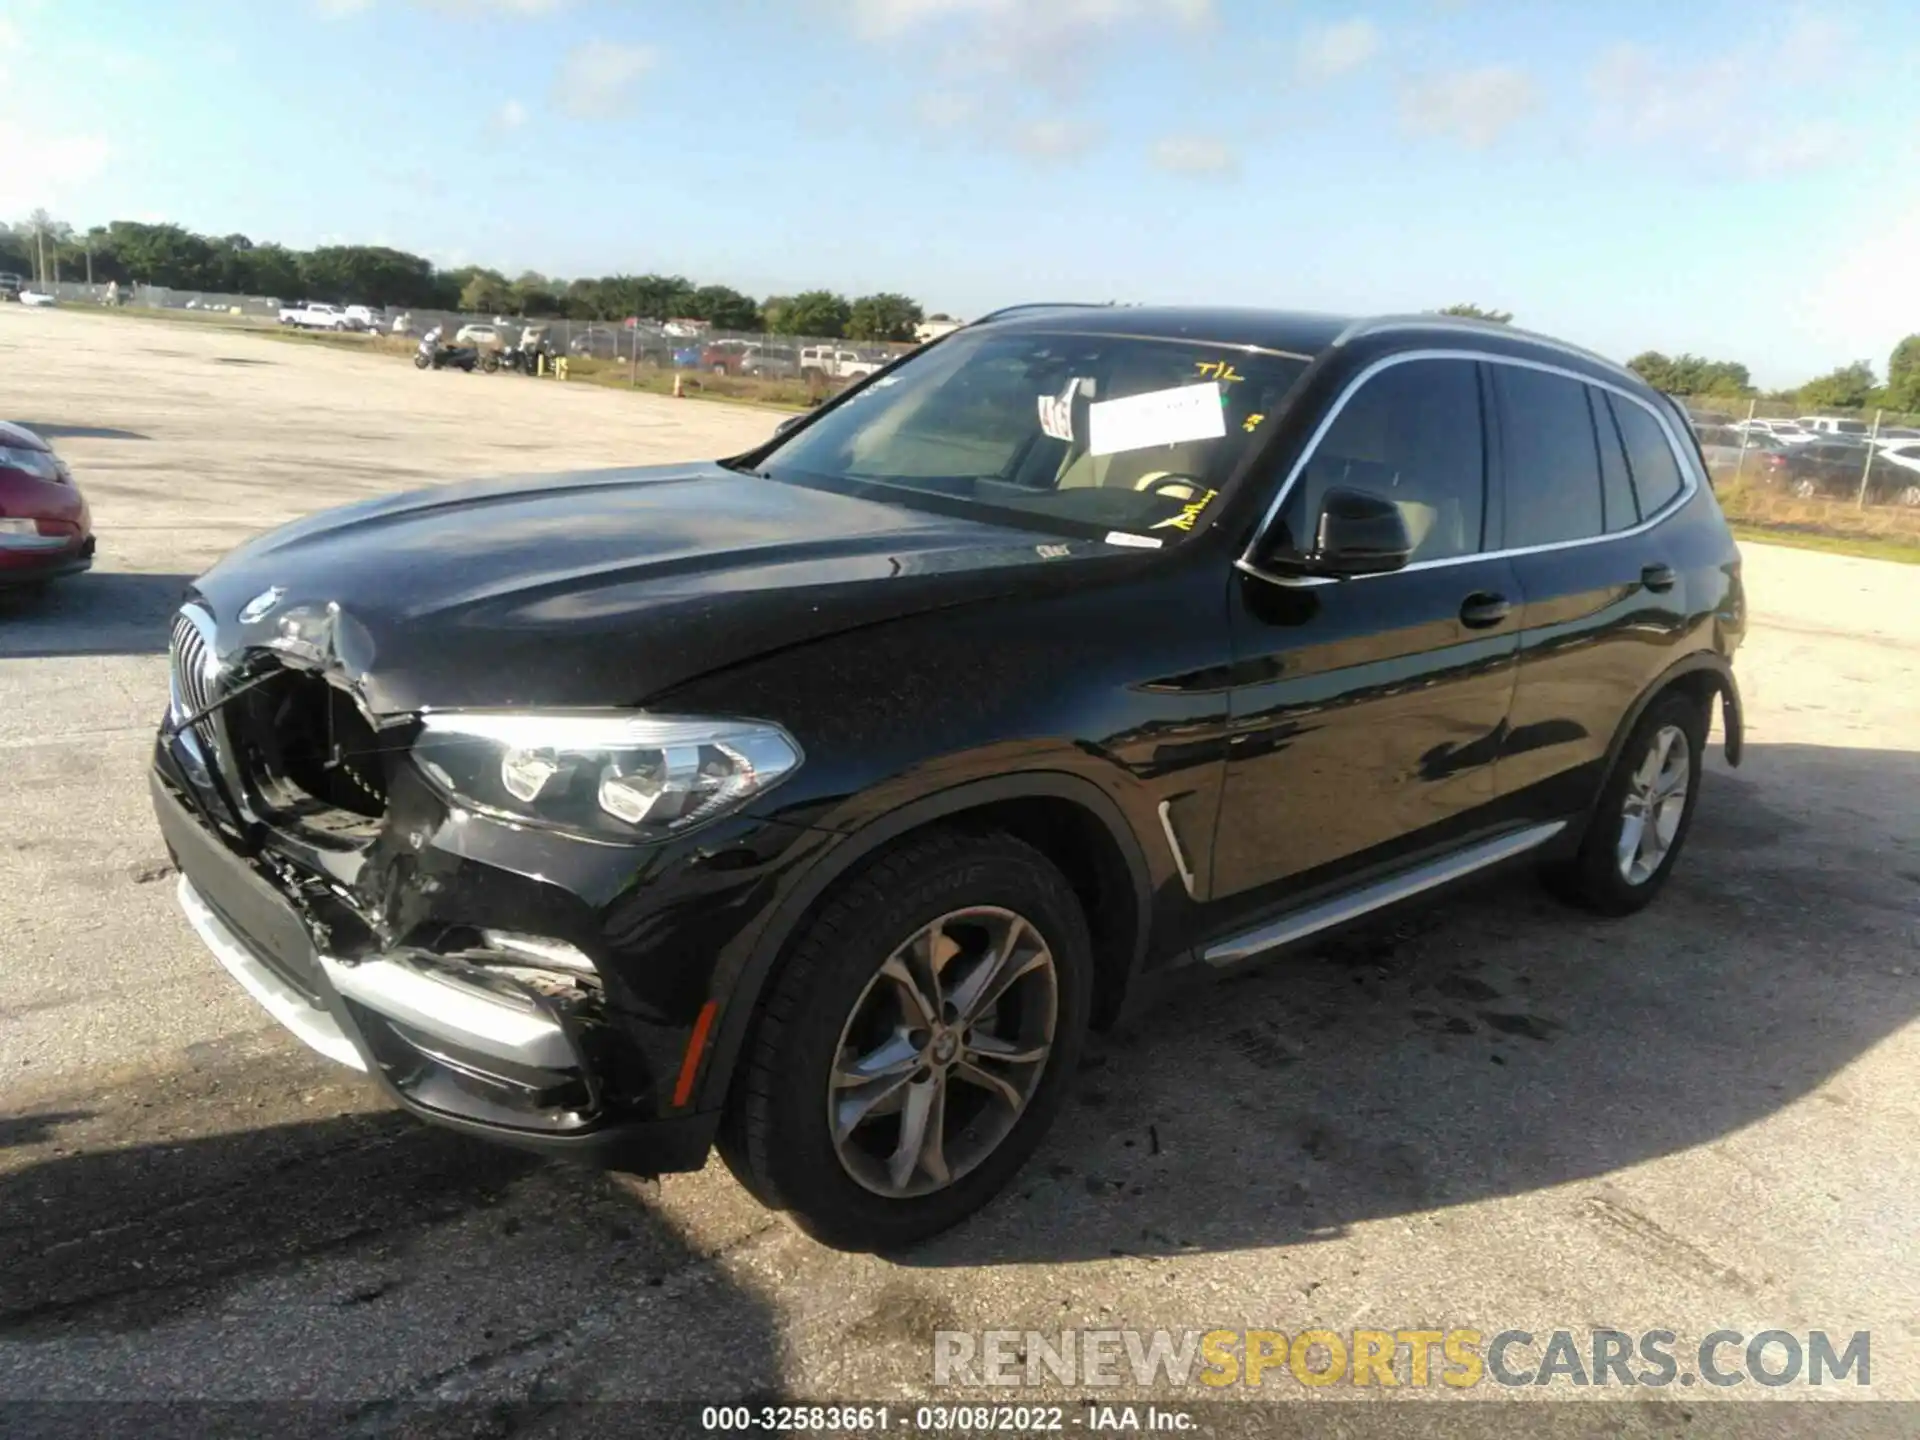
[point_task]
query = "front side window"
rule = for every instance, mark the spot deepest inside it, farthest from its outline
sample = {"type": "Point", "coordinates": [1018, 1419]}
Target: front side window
{"type": "Point", "coordinates": [1411, 434]}
{"type": "Point", "coordinates": [1075, 433]}
{"type": "Point", "coordinates": [1553, 487]}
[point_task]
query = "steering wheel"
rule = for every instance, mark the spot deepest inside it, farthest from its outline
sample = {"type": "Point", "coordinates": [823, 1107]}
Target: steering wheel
{"type": "Point", "coordinates": [1172, 486]}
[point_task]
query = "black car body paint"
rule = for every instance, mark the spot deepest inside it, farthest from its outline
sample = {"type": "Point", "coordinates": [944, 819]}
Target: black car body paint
{"type": "Point", "coordinates": [1207, 743]}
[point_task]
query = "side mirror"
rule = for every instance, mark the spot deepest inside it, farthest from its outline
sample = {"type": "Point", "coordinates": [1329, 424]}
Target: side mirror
{"type": "Point", "coordinates": [787, 424]}
{"type": "Point", "coordinates": [1357, 534]}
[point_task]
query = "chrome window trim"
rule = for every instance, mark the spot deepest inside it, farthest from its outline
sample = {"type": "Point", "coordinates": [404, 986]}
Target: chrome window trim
{"type": "Point", "coordinates": [1681, 454]}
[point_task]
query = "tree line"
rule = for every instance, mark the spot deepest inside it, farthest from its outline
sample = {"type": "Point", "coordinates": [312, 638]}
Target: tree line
{"type": "Point", "coordinates": [1850, 387]}
{"type": "Point", "coordinates": [133, 252]}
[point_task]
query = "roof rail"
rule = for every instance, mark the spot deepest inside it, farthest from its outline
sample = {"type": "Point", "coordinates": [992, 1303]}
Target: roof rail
{"type": "Point", "coordinates": [1006, 310]}
{"type": "Point", "coordinates": [1374, 324]}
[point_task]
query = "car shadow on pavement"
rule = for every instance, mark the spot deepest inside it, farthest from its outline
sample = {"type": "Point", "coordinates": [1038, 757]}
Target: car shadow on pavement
{"type": "Point", "coordinates": [1498, 1045]}
{"type": "Point", "coordinates": [97, 613]}
{"type": "Point", "coordinates": [207, 1234]}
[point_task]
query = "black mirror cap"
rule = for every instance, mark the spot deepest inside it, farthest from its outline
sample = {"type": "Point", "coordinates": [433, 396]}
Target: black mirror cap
{"type": "Point", "coordinates": [1358, 534]}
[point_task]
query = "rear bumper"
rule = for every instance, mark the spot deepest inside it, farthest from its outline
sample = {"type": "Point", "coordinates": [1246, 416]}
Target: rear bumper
{"type": "Point", "coordinates": [456, 1048]}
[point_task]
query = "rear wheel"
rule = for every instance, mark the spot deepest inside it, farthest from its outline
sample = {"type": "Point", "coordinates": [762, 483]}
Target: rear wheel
{"type": "Point", "coordinates": [1805, 489]}
{"type": "Point", "coordinates": [1910, 495]}
{"type": "Point", "coordinates": [916, 1044]}
{"type": "Point", "coordinates": [1644, 813]}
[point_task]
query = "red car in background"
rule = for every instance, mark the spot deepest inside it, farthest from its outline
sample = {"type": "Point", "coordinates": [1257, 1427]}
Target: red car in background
{"type": "Point", "coordinates": [45, 529]}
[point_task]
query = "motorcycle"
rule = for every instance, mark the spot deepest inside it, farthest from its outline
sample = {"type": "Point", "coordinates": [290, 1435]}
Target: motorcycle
{"type": "Point", "coordinates": [433, 355]}
{"type": "Point", "coordinates": [527, 360]}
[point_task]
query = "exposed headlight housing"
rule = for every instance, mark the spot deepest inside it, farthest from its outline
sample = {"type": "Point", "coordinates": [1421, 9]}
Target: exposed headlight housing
{"type": "Point", "coordinates": [616, 776]}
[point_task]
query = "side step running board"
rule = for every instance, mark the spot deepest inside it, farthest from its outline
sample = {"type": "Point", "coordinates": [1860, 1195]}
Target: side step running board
{"type": "Point", "coordinates": [1381, 893]}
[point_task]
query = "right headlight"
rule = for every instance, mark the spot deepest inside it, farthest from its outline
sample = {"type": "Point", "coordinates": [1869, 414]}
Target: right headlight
{"type": "Point", "coordinates": [613, 775]}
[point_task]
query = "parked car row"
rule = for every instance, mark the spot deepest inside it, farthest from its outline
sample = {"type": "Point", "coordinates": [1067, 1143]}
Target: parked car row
{"type": "Point", "coordinates": [1816, 466]}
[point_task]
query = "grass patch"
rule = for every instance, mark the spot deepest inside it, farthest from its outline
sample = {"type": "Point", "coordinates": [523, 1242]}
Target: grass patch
{"type": "Point", "coordinates": [1764, 512]}
{"type": "Point", "coordinates": [1905, 552]}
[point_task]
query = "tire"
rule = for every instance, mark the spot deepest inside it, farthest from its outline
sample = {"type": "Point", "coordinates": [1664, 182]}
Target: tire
{"type": "Point", "coordinates": [421, 362]}
{"type": "Point", "coordinates": [777, 1136]}
{"type": "Point", "coordinates": [1910, 495]}
{"type": "Point", "coordinates": [1804, 489]}
{"type": "Point", "coordinates": [1599, 878]}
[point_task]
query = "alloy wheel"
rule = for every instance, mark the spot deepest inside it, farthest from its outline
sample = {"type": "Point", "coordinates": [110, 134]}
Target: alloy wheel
{"type": "Point", "coordinates": [943, 1051]}
{"type": "Point", "coordinates": [1656, 801]}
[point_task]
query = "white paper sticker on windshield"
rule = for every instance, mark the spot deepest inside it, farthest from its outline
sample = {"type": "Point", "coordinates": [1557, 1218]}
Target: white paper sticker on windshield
{"type": "Point", "coordinates": [1138, 542]}
{"type": "Point", "coordinates": [1159, 417]}
{"type": "Point", "coordinates": [1056, 412]}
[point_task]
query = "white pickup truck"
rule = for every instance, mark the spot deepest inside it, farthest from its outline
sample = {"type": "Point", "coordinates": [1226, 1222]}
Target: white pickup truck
{"type": "Point", "coordinates": [836, 363]}
{"type": "Point", "coordinates": [318, 316]}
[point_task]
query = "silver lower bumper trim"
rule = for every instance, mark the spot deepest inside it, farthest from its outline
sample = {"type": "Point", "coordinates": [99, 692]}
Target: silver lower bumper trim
{"type": "Point", "coordinates": [481, 1021]}
{"type": "Point", "coordinates": [436, 1004]}
{"type": "Point", "coordinates": [280, 1000]}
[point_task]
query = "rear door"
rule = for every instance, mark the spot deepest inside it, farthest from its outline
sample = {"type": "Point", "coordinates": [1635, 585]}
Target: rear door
{"type": "Point", "coordinates": [1589, 475]}
{"type": "Point", "coordinates": [1368, 712]}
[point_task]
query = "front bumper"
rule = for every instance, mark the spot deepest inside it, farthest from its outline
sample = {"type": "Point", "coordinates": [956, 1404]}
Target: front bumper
{"type": "Point", "coordinates": [449, 1043]}
{"type": "Point", "coordinates": [29, 559]}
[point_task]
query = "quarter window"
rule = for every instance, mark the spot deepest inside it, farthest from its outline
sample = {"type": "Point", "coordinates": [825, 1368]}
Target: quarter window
{"type": "Point", "coordinates": [1617, 509]}
{"type": "Point", "coordinates": [1553, 486]}
{"type": "Point", "coordinates": [1656, 474]}
{"type": "Point", "coordinates": [1411, 434]}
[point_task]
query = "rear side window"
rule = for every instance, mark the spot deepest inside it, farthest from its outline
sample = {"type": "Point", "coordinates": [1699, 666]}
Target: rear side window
{"type": "Point", "coordinates": [1617, 509]}
{"type": "Point", "coordinates": [1553, 490]}
{"type": "Point", "coordinates": [1412, 435]}
{"type": "Point", "coordinates": [1656, 474]}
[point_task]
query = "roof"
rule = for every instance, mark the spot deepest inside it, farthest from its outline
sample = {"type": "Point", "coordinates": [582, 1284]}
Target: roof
{"type": "Point", "coordinates": [1296, 332]}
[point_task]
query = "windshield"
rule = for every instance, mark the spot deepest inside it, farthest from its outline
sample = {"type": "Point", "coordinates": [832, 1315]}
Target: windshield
{"type": "Point", "coordinates": [1086, 434]}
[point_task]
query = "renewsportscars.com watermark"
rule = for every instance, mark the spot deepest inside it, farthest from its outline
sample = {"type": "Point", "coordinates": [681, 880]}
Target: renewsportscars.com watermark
{"type": "Point", "coordinates": [1460, 1359]}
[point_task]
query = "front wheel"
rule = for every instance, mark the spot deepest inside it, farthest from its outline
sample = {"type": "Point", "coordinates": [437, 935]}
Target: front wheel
{"type": "Point", "coordinates": [916, 1043]}
{"type": "Point", "coordinates": [421, 362]}
{"type": "Point", "coordinates": [1910, 495]}
{"type": "Point", "coordinates": [1805, 489]}
{"type": "Point", "coordinates": [1644, 811]}
{"type": "Point", "coordinates": [490, 363]}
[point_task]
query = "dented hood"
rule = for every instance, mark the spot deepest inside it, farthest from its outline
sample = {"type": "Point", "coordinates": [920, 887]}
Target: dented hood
{"type": "Point", "coordinates": [603, 588]}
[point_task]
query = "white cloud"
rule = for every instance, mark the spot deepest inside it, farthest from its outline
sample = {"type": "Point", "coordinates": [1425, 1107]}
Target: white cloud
{"type": "Point", "coordinates": [43, 169]}
{"type": "Point", "coordinates": [1330, 51]}
{"type": "Point", "coordinates": [1475, 107]}
{"type": "Point", "coordinates": [340, 9]}
{"type": "Point", "coordinates": [885, 19]}
{"type": "Point", "coordinates": [946, 109]}
{"type": "Point", "coordinates": [596, 79]}
{"type": "Point", "coordinates": [1195, 155]}
{"type": "Point", "coordinates": [1054, 138]}
{"type": "Point", "coordinates": [510, 116]}
{"type": "Point", "coordinates": [994, 59]}
{"type": "Point", "coordinates": [1735, 111]}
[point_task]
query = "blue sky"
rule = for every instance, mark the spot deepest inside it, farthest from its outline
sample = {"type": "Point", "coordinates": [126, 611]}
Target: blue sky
{"type": "Point", "coordinates": [1740, 180]}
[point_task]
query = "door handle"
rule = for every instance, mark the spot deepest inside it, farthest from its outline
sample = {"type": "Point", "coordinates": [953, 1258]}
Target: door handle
{"type": "Point", "coordinates": [1657, 576]}
{"type": "Point", "coordinates": [1482, 610]}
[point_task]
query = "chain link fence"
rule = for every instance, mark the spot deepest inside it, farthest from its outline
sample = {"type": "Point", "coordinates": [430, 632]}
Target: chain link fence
{"type": "Point", "coordinates": [1832, 471]}
{"type": "Point", "coordinates": [783, 369]}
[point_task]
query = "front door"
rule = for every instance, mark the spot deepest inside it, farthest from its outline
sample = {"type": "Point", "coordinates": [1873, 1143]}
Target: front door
{"type": "Point", "coordinates": [1367, 713]}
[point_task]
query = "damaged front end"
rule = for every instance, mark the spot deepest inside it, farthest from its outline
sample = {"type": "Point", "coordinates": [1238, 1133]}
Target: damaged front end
{"type": "Point", "coordinates": [389, 928]}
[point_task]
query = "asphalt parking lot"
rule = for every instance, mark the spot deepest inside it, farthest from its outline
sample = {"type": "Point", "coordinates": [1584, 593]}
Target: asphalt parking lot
{"type": "Point", "coordinates": [1499, 1115]}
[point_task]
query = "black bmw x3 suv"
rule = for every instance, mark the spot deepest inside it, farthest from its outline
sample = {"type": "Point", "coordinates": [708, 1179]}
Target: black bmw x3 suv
{"type": "Point", "coordinates": [814, 802]}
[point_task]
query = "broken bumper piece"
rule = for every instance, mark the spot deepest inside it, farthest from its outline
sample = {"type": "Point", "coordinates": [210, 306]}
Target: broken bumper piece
{"type": "Point", "coordinates": [453, 1043]}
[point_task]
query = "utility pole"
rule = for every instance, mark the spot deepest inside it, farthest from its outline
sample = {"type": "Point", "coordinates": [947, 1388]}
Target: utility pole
{"type": "Point", "coordinates": [40, 254]}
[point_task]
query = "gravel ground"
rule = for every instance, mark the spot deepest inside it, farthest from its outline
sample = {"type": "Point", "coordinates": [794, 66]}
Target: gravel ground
{"type": "Point", "coordinates": [1499, 1115]}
